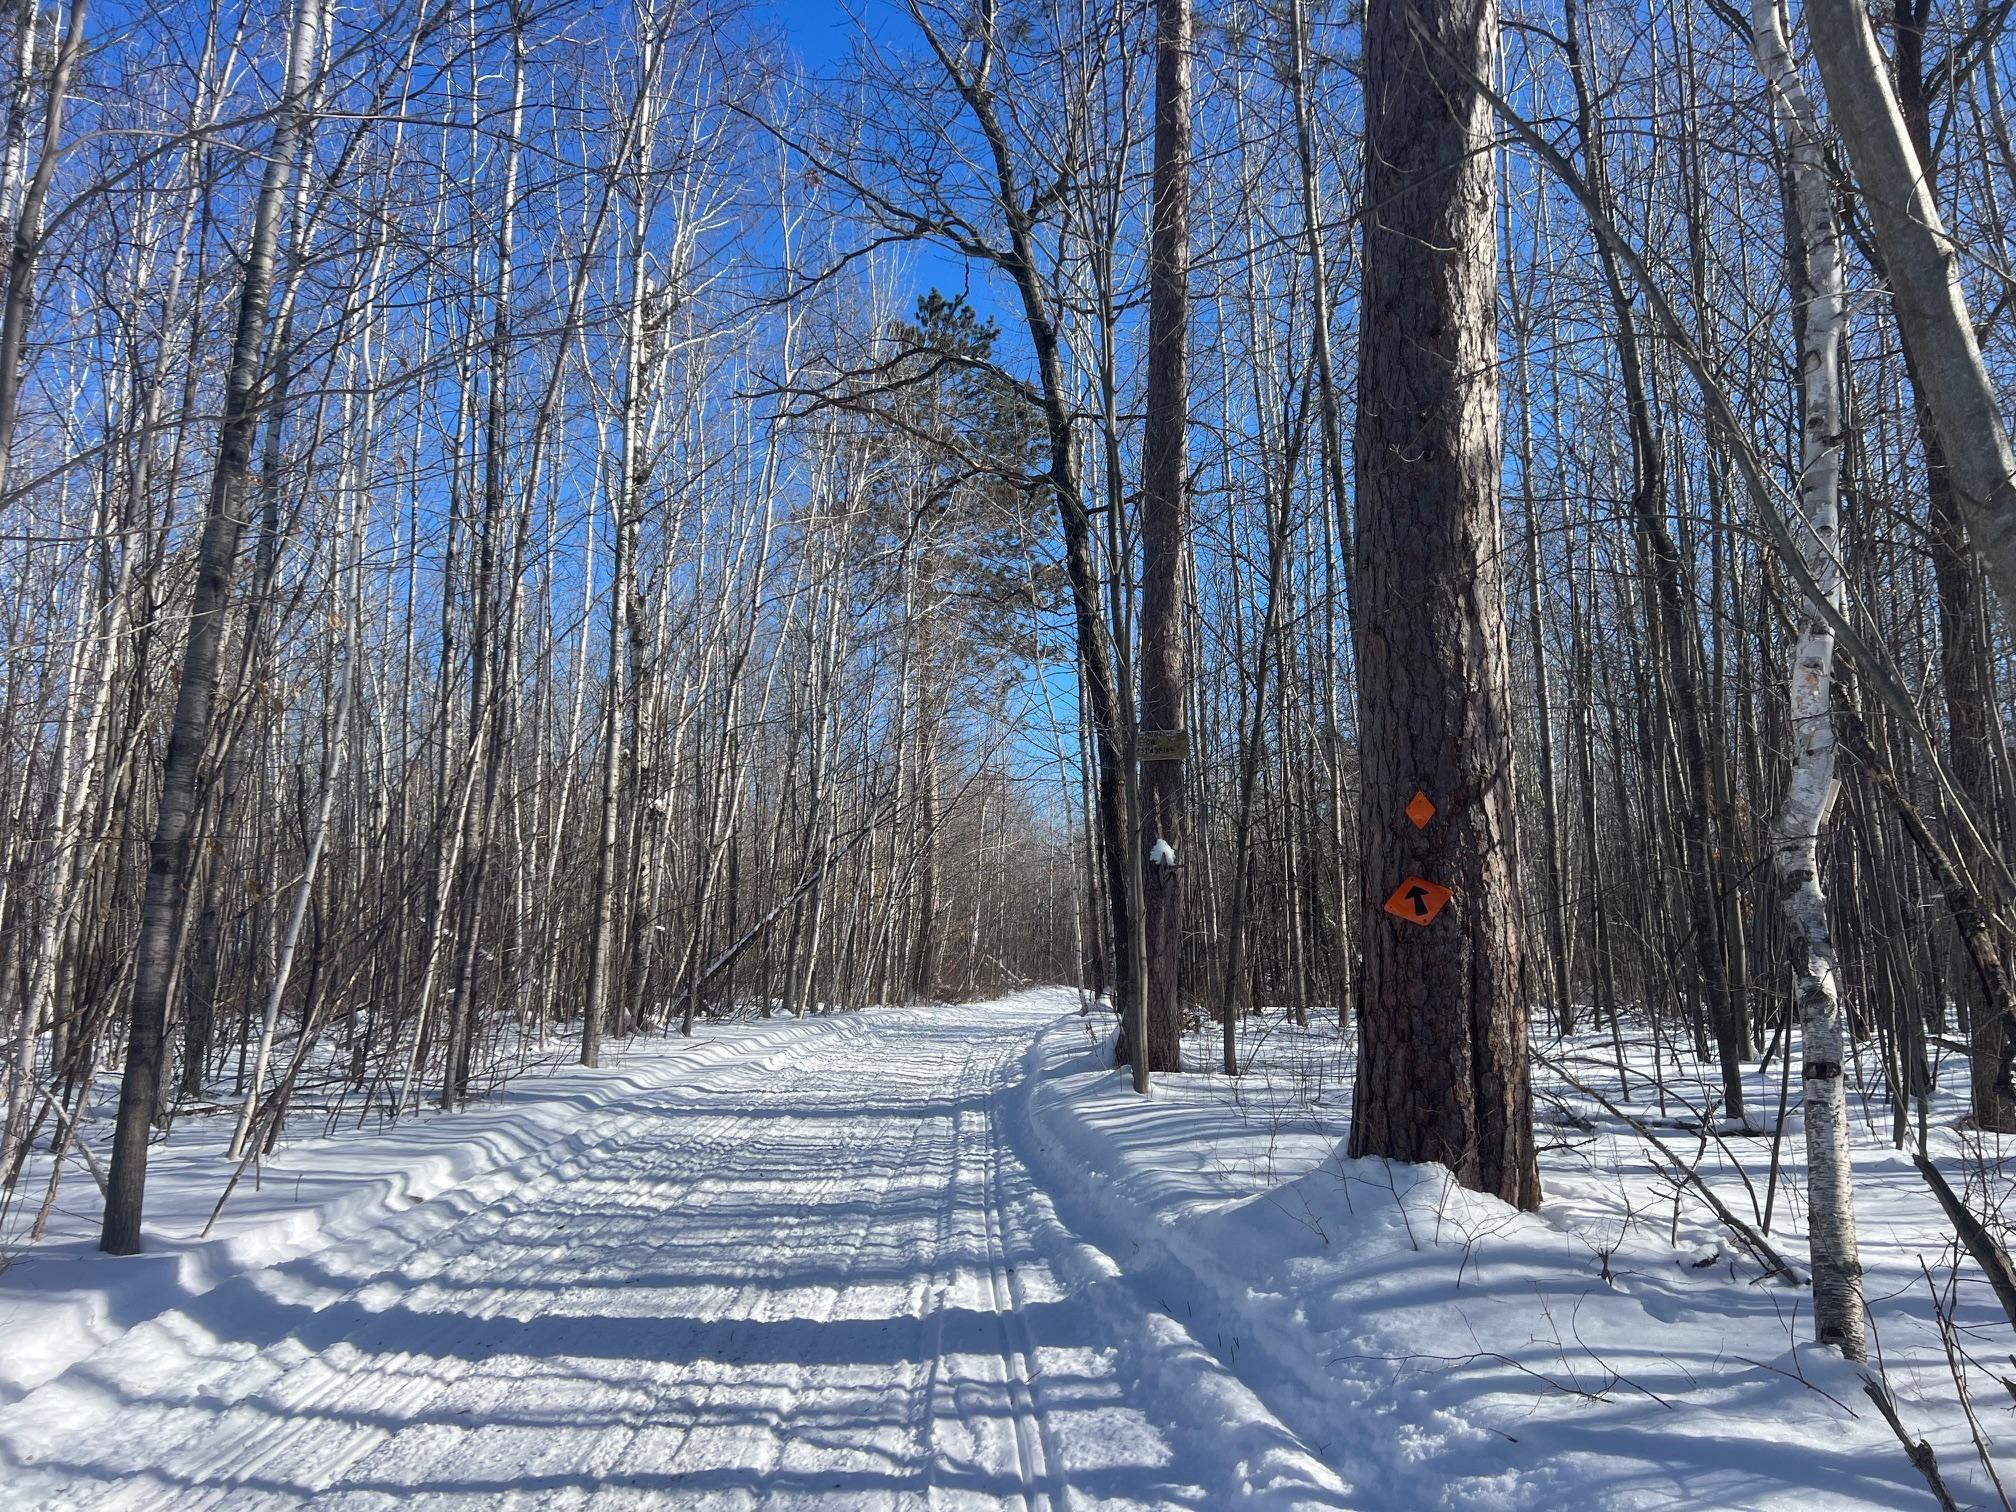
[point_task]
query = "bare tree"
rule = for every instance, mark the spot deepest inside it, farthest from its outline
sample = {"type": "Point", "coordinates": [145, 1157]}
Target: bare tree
{"type": "Point", "coordinates": [189, 736]}
{"type": "Point", "coordinates": [1164, 543]}
{"type": "Point", "coordinates": [1813, 266]}
{"type": "Point", "coordinates": [1922, 264]}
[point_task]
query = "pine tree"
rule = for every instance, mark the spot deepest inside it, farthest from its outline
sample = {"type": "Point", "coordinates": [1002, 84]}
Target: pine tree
{"type": "Point", "coordinates": [1442, 1070]}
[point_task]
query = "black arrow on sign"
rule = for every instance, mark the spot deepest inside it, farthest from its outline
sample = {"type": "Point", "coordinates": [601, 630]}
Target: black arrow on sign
{"type": "Point", "coordinates": [1418, 896]}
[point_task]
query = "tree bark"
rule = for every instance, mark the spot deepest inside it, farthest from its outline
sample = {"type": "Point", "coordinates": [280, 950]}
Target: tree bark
{"type": "Point", "coordinates": [1673, 638]}
{"type": "Point", "coordinates": [1165, 533]}
{"type": "Point", "coordinates": [1923, 273]}
{"type": "Point", "coordinates": [189, 735]}
{"type": "Point", "coordinates": [1814, 272]}
{"type": "Point", "coordinates": [1117, 800]}
{"type": "Point", "coordinates": [26, 241]}
{"type": "Point", "coordinates": [1964, 666]}
{"type": "Point", "coordinates": [1442, 1073]}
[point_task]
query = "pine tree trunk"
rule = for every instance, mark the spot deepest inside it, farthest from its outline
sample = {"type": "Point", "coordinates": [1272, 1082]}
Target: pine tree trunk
{"type": "Point", "coordinates": [1442, 1072]}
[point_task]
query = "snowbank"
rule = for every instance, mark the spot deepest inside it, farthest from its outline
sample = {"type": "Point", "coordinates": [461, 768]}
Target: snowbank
{"type": "Point", "coordinates": [1453, 1352]}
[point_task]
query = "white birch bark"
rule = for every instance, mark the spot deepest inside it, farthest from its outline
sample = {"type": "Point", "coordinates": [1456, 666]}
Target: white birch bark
{"type": "Point", "coordinates": [1814, 272]}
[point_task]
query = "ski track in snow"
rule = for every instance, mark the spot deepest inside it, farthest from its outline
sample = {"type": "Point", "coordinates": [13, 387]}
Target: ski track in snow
{"type": "Point", "coordinates": [819, 1276]}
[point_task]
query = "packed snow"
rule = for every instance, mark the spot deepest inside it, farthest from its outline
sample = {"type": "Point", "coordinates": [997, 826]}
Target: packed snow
{"type": "Point", "coordinates": [945, 1256]}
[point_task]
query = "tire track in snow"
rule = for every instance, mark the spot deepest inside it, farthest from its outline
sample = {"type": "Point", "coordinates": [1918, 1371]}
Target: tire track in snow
{"type": "Point", "coordinates": [821, 1276]}
{"type": "Point", "coordinates": [1018, 1344]}
{"type": "Point", "coordinates": [408, 1397]}
{"type": "Point", "coordinates": [284, 1375]}
{"type": "Point", "coordinates": [759, 1303]}
{"type": "Point", "coordinates": [707, 1140]}
{"type": "Point", "coordinates": [928, 1382]}
{"type": "Point", "coordinates": [181, 1349]}
{"type": "Point", "coordinates": [277, 1414]}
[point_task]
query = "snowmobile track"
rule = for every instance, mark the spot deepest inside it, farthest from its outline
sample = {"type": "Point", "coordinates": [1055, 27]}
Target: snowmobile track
{"type": "Point", "coordinates": [819, 1274]}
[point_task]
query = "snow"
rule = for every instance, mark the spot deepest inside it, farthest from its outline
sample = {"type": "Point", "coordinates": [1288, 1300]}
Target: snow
{"type": "Point", "coordinates": [816, 1272]}
{"type": "Point", "coordinates": [945, 1255]}
{"type": "Point", "coordinates": [1162, 853]}
{"type": "Point", "coordinates": [64, 1299]}
{"type": "Point", "coordinates": [1451, 1352]}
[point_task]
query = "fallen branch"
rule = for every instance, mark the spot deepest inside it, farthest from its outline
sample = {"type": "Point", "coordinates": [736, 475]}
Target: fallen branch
{"type": "Point", "coordinates": [1957, 1361]}
{"type": "Point", "coordinates": [1760, 1248]}
{"type": "Point", "coordinates": [76, 1136]}
{"type": "Point", "coordinates": [826, 858]}
{"type": "Point", "coordinates": [1986, 1249]}
{"type": "Point", "coordinates": [1916, 1450]}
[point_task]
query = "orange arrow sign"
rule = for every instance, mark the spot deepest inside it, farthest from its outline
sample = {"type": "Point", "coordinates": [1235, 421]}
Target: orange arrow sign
{"type": "Point", "coordinates": [1418, 900]}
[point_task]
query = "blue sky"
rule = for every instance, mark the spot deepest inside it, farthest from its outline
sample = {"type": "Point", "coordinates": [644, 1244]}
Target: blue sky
{"type": "Point", "coordinates": [823, 33]}
{"type": "Point", "coordinates": [823, 30]}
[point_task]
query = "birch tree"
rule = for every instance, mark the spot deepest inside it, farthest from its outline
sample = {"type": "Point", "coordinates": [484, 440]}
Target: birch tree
{"type": "Point", "coordinates": [1922, 265]}
{"type": "Point", "coordinates": [1813, 267]}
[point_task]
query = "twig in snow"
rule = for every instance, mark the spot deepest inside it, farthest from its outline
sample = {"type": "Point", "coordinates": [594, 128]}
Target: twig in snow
{"type": "Point", "coordinates": [1942, 1315]}
{"type": "Point", "coordinates": [1759, 1247]}
{"type": "Point", "coordinates": [1800, 1377]}
{"type": "Point", "coordinates": [1412, 1241]}
{"type": "Point", "coordinates": [1459, 1362]}
{"type": "Point", "coordinates": [77, 1138]}
{"type": "Point", "coordinates": [1918, 1452]}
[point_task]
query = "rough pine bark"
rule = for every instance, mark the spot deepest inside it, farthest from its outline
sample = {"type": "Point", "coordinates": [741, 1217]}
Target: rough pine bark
{"type": "Point", "coordinates": [1442, 1070]}
{"type": "Point", "coordinates": [1164, 531]}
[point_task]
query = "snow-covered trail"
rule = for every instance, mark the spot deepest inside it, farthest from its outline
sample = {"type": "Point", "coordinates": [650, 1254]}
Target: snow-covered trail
{"type": "Point", "coordinates": [819, 1276]}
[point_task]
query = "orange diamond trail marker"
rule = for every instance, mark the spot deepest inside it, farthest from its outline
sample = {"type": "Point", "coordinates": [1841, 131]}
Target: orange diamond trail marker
{"type": "Point", "coordinates": [1418, 900]}
{"type": "Point", "coordinates": [1421, 808]}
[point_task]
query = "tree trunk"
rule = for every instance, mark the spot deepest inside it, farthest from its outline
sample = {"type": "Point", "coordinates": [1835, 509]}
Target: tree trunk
{"type": "Point", "coordinates": [1111, 728]}
{"type": "Point", "coordinates": [25, 244]}
{"type": "Point", "coordinates": [1672, 638]}
{"type": "Point", "coordinates": [1814, 269]}
{"type": "Point", "coordinates": [189, 735]}
{"type": "Point", "coordinates": [1923, 273]}
{"type": "Point", "coordinates": [1442, 1072]}
{"type": "Point", "coordinates": [1964, 665]}
{"type": "Point", "coordinates": [290, 937]}
{"type": "Point", "coordinates": [1164, 535]}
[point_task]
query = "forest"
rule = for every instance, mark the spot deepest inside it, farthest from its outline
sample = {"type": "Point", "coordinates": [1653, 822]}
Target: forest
{"type": "Point", "coordinates": [1480, 530]}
